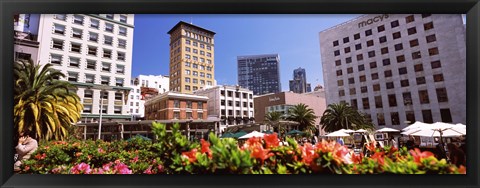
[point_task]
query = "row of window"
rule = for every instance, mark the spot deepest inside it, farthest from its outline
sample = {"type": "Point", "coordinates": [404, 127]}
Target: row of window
{"type": "Point", "coordinates": [237, 112]}
{"type": "Point", "coordinates": [108, 27]}
{"type": "Point", "coordinates": [393, 24]}
{"type": "Point", "coordinates": [91, 78]}
{"type": "Point", "coordinates": [57, 59]}
{"type": "Point", "coordinates": [94, 37]}
{"type": "Point", "coordinates": [88, 109]}
{"type": "Point", "coordinates": [196, 81]}
{"type": "Point", "coordinates": [237, 103]}
{"type": "Point", "coordinates": [58, 44]}
{"type": "Point", "coordinates": [237, 94]}
{"type": "Point", "coordinates": [198, 37]}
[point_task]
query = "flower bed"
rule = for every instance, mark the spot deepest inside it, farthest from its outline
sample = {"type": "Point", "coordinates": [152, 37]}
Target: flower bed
{"type": "Point", "coordinates": [174, 154]}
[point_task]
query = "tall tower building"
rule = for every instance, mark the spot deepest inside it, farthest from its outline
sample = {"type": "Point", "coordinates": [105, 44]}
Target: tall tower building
{"type": "Point", "coordinates": [259, 73]}
{"type": "Point", "coordinates": [398, 68]}
{"type": "Point", "coordinates": [94, 51]}
{"type": "Point", "coordinates": [191, 58]}
{"type": "Point", "coordinates": [299, 83]}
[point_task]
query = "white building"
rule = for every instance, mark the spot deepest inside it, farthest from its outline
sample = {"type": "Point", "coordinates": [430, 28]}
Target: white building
{"type": "Point", "coordinates": [398, 68]}
{"type": "Point", "coordinates": [136, 101]}
{"type": "Point", "coordinates": [232, 104]}
{"type": "Point", "coordinates": [94, 51]}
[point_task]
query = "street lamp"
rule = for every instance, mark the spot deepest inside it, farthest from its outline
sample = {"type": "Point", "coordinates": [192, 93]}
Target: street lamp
{"type": "Point", "coordinates": [102, 88]}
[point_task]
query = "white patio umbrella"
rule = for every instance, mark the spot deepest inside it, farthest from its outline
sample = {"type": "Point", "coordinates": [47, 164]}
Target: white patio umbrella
{"type": "Point", "coordinates": [361, 131]}
{"type": "Point", "coordinates": [415, 125]}
{"type": "Point", "coordinates": [386, 130]}
{"type": "Point", "coordinates": [338, 133]}
{"type": "Point", "coordinates": [347, 130]}
{"type": "Point", "coordinates": [439, 126]}
{"type": "Point", "coordinates": [252, 134]}
{"type": "Point", "coordinates": [438, 133]}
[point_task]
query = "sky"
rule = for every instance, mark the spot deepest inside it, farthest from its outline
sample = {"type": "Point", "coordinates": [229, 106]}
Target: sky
{"type": "Point", "coordinates": [294, 37]}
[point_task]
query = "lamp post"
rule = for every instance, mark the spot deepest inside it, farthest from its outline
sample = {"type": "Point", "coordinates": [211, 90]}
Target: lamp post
{"type": "Point", "coordinates": [102, 91]}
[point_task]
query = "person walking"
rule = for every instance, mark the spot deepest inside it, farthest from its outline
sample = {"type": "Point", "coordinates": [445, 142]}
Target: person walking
{"type": "Point", "coordinates": [456, 155]}
{"type": "Point", "coordinates": [25, 148]}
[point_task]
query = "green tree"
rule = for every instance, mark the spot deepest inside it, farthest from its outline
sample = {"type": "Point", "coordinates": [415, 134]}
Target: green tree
{"type": "Point", "coordinates": [343, 116]}
{"type": "Point", "coordinates": [273, 119]}
{"type": "Point", "coordinates": [43, 104]}
{"type": "Point", "coordinates": [304, 115]}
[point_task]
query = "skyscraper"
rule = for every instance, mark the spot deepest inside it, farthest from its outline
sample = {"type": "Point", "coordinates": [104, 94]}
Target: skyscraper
{"type": "Point", "coordinates": [259, 73]}
{"type": "Point", "coordinates": [299, 83]}
{"type": "Point", "coordinates": [191, 58]}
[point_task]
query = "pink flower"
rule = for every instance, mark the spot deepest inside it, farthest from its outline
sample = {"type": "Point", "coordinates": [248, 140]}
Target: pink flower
{"type": "Point", "coordinates": [107, 166]}
{"type": "Point", "coordinates": [160, 168]}
{"type": "Point", "coordinates": [148, 170]}
{"type": "Point", "coordinates": [122, 169]}
{"type": "Point", "coordinates": [100, 150]}
{"type": "Point", "coordinates": [81, 168]}
{"type": "Point", "coordinates": [134, 160]}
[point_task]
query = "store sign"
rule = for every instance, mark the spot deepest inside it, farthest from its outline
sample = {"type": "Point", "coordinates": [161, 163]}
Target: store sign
{"type": "Point", "coordinates": [372, 20]}
{"type": "Point", "coordinates": [273, 99]}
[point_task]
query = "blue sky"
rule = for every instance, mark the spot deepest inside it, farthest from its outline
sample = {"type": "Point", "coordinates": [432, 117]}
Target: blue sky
{"type": "Point", "coordinates": [293, 37]}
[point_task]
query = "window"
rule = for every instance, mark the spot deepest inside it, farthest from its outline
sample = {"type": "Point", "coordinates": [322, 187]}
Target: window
{"type": "Point", "coordinates": [123, 18]}
{"type": "Point", "coordinates": [176, 104]}
{"type": "Point", "coordinates": [349, 70]}
{"type": "Point", "coordinates": [433, 51]}
{"type": "Point", "coordinates": [109, 16]}
{"type": "Point", "coordinates": [398, 47]}
{"type": "Point", "coordinates": [389, 85]}
{"type": "Point", "coordinates": [380, 119]}
{"type": "Point", "coordinates": [361, 67]}
{"type": "Point", "coordinates": [122, 43]}
{"type": "Point", "coordinates": [189, 104]}
{"type": "Point", "coordinates": [369, 43]}
{"type": "Point", "coordinates": [187, 87]}
{"type": "Point", "coordinates": [341, 93]}
{"type": "Point", "coordinates": [347, 50]}
{"type": "Point", "coordinates": [374, 76]}
{"type": "Point", "coordinates": [108, 40]}
{"type": "Point", "coordinates": [428, 26]}
{"type": "Point", "coordinates": [195, 51]}
{"type": "Point", "coordinates": [426, 15]}
{"type": "Point", "coordinates": [358, 46]}
{"type": "Point", "coordinates": [338, 62]}
{"type": "Point", "coordinates": [373, 65]}
{"type": "Point", "coordinates": [352, 91]}
{"type": "Point", "coordinates": [421, 80]}
{"type": "Point", "coordinates": [409, 19]}
{"type": "Point", "coordinates": [427, 116]}
{"type": "Point", "coordinates": [348, 60]}
{"type": "Point", "coordinates": [92, 50]}
{"type": "Point", "coordinates": [339, 72]}
{"type": "Point", "coordinates": [94, 23]}
{"type": "Point", "coordinates": [351, 80]}
{"type": "Point", "coordinates": [345, 40]}
{"type": "Point", "coordinates": [187, 80]}
{"type": "Point", "coordinates": [388, 73]}
{"type": "Point", "coordinates": [336, 52]}
{"type": "Point", "coordinates": [106, 67]}
{"type": "Point", "coordinates": [202, 74]}
{"type": "Point", "coordinates": [56, 59]}
{"type": "Point", "coordinates": [400, 58]}
{"type": "Point", "coordinates": [121, 56]}
{"type": "Point", "coordinates": [78, 19]}
{"type": "Point", "coordinates": [209, 54]}
{"type": "Point", "coordinates": [109, 27]}
{"type": "Point", "coordinates": [364, 89]}
{"type": "Point", "coordinates": [410, 116]}
{"type": "Point", "coordinates": [107, 53]}
{"type": "Point", "coordinates": [414, 43]}
{"type": "Point", "coordinates": [418, 67]}
{"type": "Point", "coordinates": [118, 96]}
{"type": "Point", "coordinates": [423, 94]}
{"type": "Point", "coordinates": [93, 37]}
{"type": "Point", "coordinates": [442, 95]}
{"type": "Point", "coordinates": [202, 45]}
{"type": "Point", "coordinates": [365, 103]}
{"type": "Point", "coordinates": [407, 98]}
{"type": "Point", "coordinates": [392, 100]}
{"type": "Point", "coordinates": [371, 54]}
{"type": "Point", "coordinates": [75, 47]}
{"type": "Point", "coordinates": [91, 64]}
{"type": "Point", "coordinates": [340, 82]}
{"type": "Point", "coordinates": [381, 28]}
{"type": "Point", "coordinates": [395, 118]}
{"type": "Point", "coordinates": [436, 64]}
{"type": "Point", "coordinates": [394, 24]}
{"type": "Point", "coordinates": [74, 62]}
{"type": "Point", "coordinates": [335, 43]}
{"type": "Point", "coordinates": [368, 32]}
{"type": "Point", "coordinates": [87, 108]}
{"type": "Point", "coordinates": [431, 38]}
{"type": "Point", "coordinates": [382, 39]}
{"type": "Point", "coordinates": [384, 50]}
{"type": "Point", "coordinates": [88, 94]}
{"type": "Point", "coordinates": [176, 115]}
{"type": "Point", "coordinates": [446, 115]}
{"type": "Point", "coordinates": [359, 57]}
{"type": "Point", "coordinates": [412, 30]}
{"type": "Point", "coordinates": [187, 41]}
{"type": "Point", "coordinates": [60, 17]}
{"type": "Point", "coordinates": [438, 77]}
{"type": "Point", "coordinates": [402, 70]}
{"type": "Point", "coordinates": [396, 35]}
{"type": "Point", "coordinates": [209, 62]}
{"type": "Point", "coordinates": [386, 62]}
{"type": "Point", "coordinates": [404, 83]}
{"type": "Point", "coordinates": [59, 29]}
{"type": "Point", "coordinates": [120, 69]}
{"type": "Point", "coordinates": [72, 77]}
{"type": "Point", "coordinates": [356, 36]}
{"type": "Point", "coordinates": [195, 43]}
{"type": "Point", "coordinates": [57, 44]}
{"type": "Point", "coordinates": [77, 33]}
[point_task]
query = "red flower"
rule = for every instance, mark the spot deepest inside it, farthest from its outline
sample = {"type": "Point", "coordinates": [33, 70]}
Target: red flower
{"type": "Point", "coordinates": [42, 156]}
{"type": "Point", "coordinates": [379, 157]}
{"type": "Point", "coordinates": [371, 146]}
{"type": "Point", "coordinates": [206, 148]}
{"type": "Point", "coordinates": [260, 153]}
{"type": "Point", "coordinates": [357, 158]}
{"type": "Point", "coordinates": [190, 155]}
{"type": "Point", "coordinates": [418, 155]}
{"type": "Point", "coordinates": [462, 169]}
{"type": "Point", "coordinates": [271, 140]}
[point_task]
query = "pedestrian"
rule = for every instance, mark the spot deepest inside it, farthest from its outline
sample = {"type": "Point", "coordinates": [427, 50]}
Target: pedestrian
{"type": "Point", "coordinates": [440, 151]}
{"type": "Point", "coordinates": [410, 143]}
{"type": "Point", "coordinates": [340, 141]}
{"type": "Point", "coordinates": [25, 148]}
{"type": "Point", "coordinates": [457, 156]}
{"type": "Point", "coordinates": [394, 142]}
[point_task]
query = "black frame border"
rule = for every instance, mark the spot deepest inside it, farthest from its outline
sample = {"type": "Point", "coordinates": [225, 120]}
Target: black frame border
{"type": "Point", "coordinates": [10, 7]}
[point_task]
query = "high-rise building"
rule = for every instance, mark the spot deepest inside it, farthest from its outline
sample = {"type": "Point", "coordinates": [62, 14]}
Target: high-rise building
{"type": "Point", "coordinates": [398, 68]}
{"type": "Point", "coordinates": [94, 51]}
{"type": "Point", "coordinates": [145, 87]}
{"type": "Point", "coordinates": [191, 58]}
{"type": "Point", "coordinates": [299, 83]}
{"type": "Point", "coordinates": [233, 105]}
{"type": "Point", "coordinates": [259, 73]}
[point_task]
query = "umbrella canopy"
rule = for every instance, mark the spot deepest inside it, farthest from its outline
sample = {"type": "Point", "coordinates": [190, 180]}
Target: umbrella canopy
{"type": "Point", "coordinates": [227, 135]}
{"type": "Point", "coordinates": [438, 126]}
{"type": "Point", "coordinates": [338, 133]}
{"type": "Point", "coordinates": [239, 134]}
{"type": "Point", "coordinates": [293, 132]}
{"type": "Point", "coordinates": [268, 132]}
{"type": "Point", "coordinates": [347, 130]}
{"type": "Point", "coordinates": [436, 133]}
{"type": "Point", "coordinates": [415, 125]}
{"type": "Point", "coordinates": [252, 134]}
{"type": "Point", "coordinates": [386, 130]}
{"type": "Point", "coordinates": [138, 137]}
{"type": "Point", "coordinates": [361, 131]}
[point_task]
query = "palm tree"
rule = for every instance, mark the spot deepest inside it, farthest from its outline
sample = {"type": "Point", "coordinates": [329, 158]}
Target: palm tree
{"type": "Point", "coordinates": [304, 115]}
{"type": "Point", "coordinates": [44, 105]}
{"type": "Point", "coordinates": [343, 116]}
{"type": "Point", "coordinates": [273, 119]}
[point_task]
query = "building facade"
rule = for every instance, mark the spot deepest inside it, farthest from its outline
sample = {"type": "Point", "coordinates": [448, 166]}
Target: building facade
{"type": "Point", "coordinates": [299, 83]}
{"type": "Point", "coordinates": [191, 58]}
{"type": "Point", "coordinates": [176, 106]}
{"type": "Point", "coordinates": [398, 68]}
{"type": "Point", "coordinates": [259, 73]}
{"type": "Point", "coordinates": [26, 37]}
{"type": "Point", "coordinates": [94, 51]}
{"type": "Point", "coordinates": [143, 88]}
{"type": "Point", "coordinates": [282, 102]}
{"type": "Point", "coordinates": [233, 105]}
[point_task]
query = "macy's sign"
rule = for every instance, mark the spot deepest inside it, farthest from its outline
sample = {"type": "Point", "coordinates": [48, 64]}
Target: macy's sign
{"type": "Point", "coordinates": [372, 20]}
